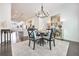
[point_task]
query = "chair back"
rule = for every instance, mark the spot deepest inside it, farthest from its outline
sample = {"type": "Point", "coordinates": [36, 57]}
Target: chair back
{"type": "Point", "coordinates": [32, 34]}
{"type": "Point", "coordinates": [50, 33]}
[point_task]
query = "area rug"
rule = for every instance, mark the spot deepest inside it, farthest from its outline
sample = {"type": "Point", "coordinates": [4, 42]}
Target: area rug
{"type": "Point", "coordinates": [22, 49]}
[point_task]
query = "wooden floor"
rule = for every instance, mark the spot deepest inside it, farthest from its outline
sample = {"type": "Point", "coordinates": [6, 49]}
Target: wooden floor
{"type": "Point", "coordinates": [5, 49]}
{"type": "Point", "coordinates": [73, 50]}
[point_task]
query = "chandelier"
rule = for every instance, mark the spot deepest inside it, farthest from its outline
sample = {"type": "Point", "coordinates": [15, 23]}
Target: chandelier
{"type": "Point", "coordinates": [42, 13]}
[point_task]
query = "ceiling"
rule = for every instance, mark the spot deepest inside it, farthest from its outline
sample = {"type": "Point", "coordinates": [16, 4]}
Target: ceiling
{"type": "Point", "coordinates": [25, 11]}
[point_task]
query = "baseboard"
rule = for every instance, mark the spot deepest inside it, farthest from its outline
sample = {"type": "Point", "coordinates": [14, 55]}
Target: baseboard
{"type": "Point", "coordinates": [67, 40]}
{"type": "Point", "coordinates": [70, 40]}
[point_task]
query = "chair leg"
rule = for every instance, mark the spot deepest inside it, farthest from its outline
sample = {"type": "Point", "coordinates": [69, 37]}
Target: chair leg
{"type": "Point", "coordinates": [50, 44]}
{"type": "Point", "coordinates": [54, 42]}
{"type": "Point", "coordinates": [10, 36]}
{"type": "Point", "coordinates": [1, 38]}
{"type": "Point", "coordinates": [40, 42]}
{"type": "Point", "coordinates": [47, 41]}
{"type": "Point", "coordinates": [29, 42]}
{"type": "Point", "coordinates": [34, 46]}
{"type": "Point", "coordinates": [7, 37]}
{"type": "Point", "coordinates": [43, 42]}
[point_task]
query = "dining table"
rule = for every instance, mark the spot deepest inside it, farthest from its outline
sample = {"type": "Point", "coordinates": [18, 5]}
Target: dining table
{"type": "Point", "coordinates": [42, 34]}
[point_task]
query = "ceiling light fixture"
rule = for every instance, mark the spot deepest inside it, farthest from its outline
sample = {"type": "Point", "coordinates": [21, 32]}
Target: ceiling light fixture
{"type": "Point", "coordinates": [42, 13]}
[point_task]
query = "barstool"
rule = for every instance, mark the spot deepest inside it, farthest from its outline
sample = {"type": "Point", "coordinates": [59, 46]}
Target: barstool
{"type": "Point", "coordinates": [6, 32]}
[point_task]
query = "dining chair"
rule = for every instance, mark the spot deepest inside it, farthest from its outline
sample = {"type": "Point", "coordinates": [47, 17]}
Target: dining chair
{"type": "Point", "coordinates": [50, 37]}
{"type": "Point", "coordinates": [32, 37]}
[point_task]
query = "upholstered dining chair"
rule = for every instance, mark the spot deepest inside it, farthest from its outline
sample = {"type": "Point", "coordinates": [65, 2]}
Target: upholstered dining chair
{"type": "Point", "coordinates": [32, 37]}
{"type": "Point", "coordinates": [50, 37]}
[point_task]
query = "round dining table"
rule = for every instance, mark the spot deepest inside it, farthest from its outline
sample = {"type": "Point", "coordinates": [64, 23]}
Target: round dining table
{"type": "Point", "coordinates": [42, 34]}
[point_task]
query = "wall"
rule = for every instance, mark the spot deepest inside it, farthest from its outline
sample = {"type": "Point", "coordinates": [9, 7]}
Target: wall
{"type": "Point", "coordinates": [70, 22]}
{"type": "Point", "coordinates": [5, 14]}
